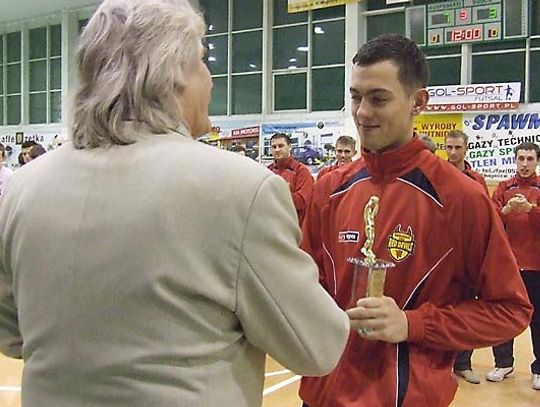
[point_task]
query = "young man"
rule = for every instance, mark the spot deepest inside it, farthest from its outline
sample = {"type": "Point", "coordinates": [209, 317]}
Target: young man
{"type": "Point", "coordinates": [517, 201]}
{"type": "Point", "coordinates": [345, 152]}
{"type": "Point", "coordinates": [438, 228]}
{"type": "Point", "coordinates": [295, 173]}
{"type": "Point", "coordinates": [456, 148]}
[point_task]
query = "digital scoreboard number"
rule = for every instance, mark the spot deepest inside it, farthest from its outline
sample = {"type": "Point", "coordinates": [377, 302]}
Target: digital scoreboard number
{"type": "Point", "coordinates": [465, 21]}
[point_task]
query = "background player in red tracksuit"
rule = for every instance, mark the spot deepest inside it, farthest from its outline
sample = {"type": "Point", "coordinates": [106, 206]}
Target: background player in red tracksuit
{"type": "Point", "coordinates": [517, 201]}
{"type": "Point", "coordinates": [345, 152]}
{"type": "Point", "coordinates": [295, 173]}
{"type": "Point", "coordinates": [439, 228]}
{"type": "Point", "coordinates": [456, 149]}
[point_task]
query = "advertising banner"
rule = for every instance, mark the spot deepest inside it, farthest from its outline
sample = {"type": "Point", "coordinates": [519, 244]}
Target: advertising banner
{"type": "Point", "coordinates": [297, 6]}
{"type": "Point", "coordinates": [476, 97]}
{"type": "Point", "coordinates": [437, 127]}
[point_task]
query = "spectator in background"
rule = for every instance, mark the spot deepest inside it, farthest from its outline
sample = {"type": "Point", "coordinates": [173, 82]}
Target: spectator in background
{"type": "Point", "coordinates": [517, 200]}
{"type": "Point", "coordinates": [25, 150]}
{"type": "Point", "coordinates": [239, 149]}
{"type": "Point", "coordinates": [171, 279]}
{"type": "Point", "coordinates": [345, 152]}
{"type": "Point", "coordinates": [295, 173]}
{"type": "Point", "coordinates": [5, 172]}
{"type": "Point", "coordinates": [36, 151]}
{"type": "Point", "coordinates": [456, 149]}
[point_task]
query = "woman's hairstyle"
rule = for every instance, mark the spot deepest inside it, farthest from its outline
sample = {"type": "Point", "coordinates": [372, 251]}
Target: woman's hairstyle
{"type": "Point", "coordinates": [133, 62]}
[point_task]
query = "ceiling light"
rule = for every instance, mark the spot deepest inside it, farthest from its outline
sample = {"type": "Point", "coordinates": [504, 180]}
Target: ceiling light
{"type": "Point", "coordinates": [292, 67]}
{"type": "Point", "coordinates": [303, 48]}
{"type": "Point", "coordinates": [210, 45]}
{"type": "Point", "coordinates": [211, 59]}
{"type": "Point", "coordinates": [292, 60]}
{"type": "Point", "coordinates": [318, 30]}
{"type": "Point", "coordinates": [210, 27]}
{"type": "Point", "coordinates": [252, 66]}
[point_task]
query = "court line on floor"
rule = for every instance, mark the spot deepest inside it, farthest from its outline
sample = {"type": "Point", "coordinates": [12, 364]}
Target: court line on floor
{"type": "Point", "coordinates": [277, 373]}
{"type": "Point", "coordinates": [10, 388]}
{"type": "Point", "coordinates": [280, 385]}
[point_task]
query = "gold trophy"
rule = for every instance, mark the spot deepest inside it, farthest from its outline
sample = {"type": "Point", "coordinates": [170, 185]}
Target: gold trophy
{"type": "Point", "coordinates": [376, 268]}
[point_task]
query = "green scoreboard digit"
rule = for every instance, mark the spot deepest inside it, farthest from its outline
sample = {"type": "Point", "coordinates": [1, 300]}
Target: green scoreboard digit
{"type": "Point", "coordinates": [464, 21]}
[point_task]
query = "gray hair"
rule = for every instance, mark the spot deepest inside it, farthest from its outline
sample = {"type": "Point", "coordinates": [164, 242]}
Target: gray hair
{"type": "Point", "coordinates": [133, 62]}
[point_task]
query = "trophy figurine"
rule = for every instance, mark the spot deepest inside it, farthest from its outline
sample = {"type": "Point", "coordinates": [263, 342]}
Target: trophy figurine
{"type": "Point", "coordinates": [376, 268]}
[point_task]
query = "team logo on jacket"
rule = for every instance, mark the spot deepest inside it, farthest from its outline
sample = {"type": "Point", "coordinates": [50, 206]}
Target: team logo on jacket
{"type": "Point", "coordinates": [349, 236]}
{"type": "Point", "coordinates": [401, 244]}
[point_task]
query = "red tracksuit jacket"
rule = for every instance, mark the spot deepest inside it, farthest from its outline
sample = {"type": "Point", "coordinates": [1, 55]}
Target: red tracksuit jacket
{"type": "Point", "coordinates": [445, 238]}
{"type": "Point", "coordinates": [523, 229]}
{"type": "Point", "coordinates": [300, 183]}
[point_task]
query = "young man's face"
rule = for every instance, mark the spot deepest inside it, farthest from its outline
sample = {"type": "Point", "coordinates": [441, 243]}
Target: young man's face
{"type": "Point", "coordinates": [382, 109]}
{"type": "Point", "coordinates": [280, 149]}
{"type": "Point", "coordinates": [456, 149]}
{"type": "Point", "coordinates": [344, 153]}
{"type": "Point", "coordinates": [526, 162]}
{"type": "Point", "coordinates": [26, 154]}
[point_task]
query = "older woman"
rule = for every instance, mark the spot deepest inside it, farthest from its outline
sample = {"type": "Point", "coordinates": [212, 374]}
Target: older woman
{"type": "Point", "coordinates": [140, 267]}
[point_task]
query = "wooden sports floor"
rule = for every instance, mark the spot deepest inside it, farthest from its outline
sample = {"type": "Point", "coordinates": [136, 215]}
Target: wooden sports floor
{"type": "Point", "coordinates": [281, 386]}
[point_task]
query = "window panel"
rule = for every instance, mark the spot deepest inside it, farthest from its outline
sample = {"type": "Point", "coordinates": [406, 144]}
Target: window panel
{"type": "Point", "coordinates": [13, 78]}
{"type": "Point", "coordinates": [534, 91]}
{"type": "Point", "coordinates": [218, 104]}
{"type": "Point", "coordinates": [497, 46]}
{"type": "Point", "coordinates": [329, 84]}
{"type": "Point", "coordinates": [56, 41]}
{"type": "Point", "coordinates": [247, 52]}
{"type": "Point", "coordinates": [216, 15]}
{"type": "Point", "coordinates": [55, 107]}
{"type": "Point", "coordinates": [510, 68]}
{"type": "Point", "coordinates": [13, 104]}
{"type": "Point", "coordinates": [285, 46]}
{"type": "Point", "coordinates": [247, 14]}
{"type": "Point", "coordinates": [55, 80]}
{"type": "Point", "coordinates": [38, 108]}
{"type": "Point", "coordinates": [14, 47]}
{"type": "Point", "coordinates": [290, 91]}
{"type": "Point", "coordinates": [385, 24]}
{"type": "Point", "coordinates": [216, 55]}
{"type": "Point", "coordinates": [329, 43]}
{"type": "Point", "coordinates": [1, 79]}
{"type": "Point", "coordinates": [1, 50]}
{"type": "Point", "coordinates": [246, 94]}
{"type": "Point", "coordinates": [38, 76]}
{"type": "Point", "coordinates": [281, 16]}
{"type": "Point", "coordinates": [82, 24]}
{"type": "Point", "coordinates": [444, 71]}
{"type": "Point", "coordinates": [38, 43]}
{"type": "Point", "coordinates": [1, 111]}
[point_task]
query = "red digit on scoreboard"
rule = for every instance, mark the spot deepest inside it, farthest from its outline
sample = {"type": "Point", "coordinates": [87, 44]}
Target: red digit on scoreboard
{"type": "Point", "coordinates": [463, 15]}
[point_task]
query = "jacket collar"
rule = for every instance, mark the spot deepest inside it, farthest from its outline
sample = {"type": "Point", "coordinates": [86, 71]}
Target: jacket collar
{"type": "Point", "coordinates": [390, 164]}
{"type": "Point", "coordinates": [532, 180]}
{"type": "Point", "coordinates": [284, 164]}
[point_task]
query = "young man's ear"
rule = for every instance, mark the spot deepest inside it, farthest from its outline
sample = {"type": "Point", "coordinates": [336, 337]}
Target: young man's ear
{"type": "Point", "coordinates": [421, 99]}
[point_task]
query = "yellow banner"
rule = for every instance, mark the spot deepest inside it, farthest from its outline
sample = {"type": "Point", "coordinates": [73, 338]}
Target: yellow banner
{"type": "Point", "coordinates": [296, 6]}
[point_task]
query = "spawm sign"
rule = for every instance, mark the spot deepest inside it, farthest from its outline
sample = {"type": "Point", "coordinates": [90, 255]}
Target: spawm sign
{"type": "Point", "coordinates": [493, 138]}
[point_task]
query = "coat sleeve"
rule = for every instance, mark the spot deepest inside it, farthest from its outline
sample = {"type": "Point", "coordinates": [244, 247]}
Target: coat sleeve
{"type": "Point", "coordinates": [303, 188]}
{"type": "Point", "coordinates": [10, 337]}
{"type": "Point", "coordinates": [499, 200]}
{"type": "Point", "coordinates": [502, 310]}
{"type": "Point", "coordinates": [281, 306]}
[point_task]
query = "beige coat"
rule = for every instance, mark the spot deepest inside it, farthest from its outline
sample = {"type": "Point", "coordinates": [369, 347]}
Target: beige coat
{"type": "Point", "coordinates": [157, 274]}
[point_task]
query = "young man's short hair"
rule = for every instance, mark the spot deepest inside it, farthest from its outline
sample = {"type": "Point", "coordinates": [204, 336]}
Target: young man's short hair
{"type": "Point", "coordinates": [458, 134]}
{"type": "Point", "coordinates": [528, 146]}
{"type": "Point", "coordinates": [404, 53]}
{"type": "Point", "coordinates": [281, 135]}
{"type": "Point", "coordinates": [347, 140]}
{"type": "Point", "coordinates": [28, 144]}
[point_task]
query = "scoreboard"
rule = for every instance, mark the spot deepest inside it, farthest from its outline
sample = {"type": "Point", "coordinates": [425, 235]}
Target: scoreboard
{"type": "Point", "coordinates": [464, 21]}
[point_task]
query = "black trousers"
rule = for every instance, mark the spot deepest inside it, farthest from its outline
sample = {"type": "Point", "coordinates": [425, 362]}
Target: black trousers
{"type": "Point", "coordinates": [504, 353]}
{"type": "Point", "coordinates": [463, 360]}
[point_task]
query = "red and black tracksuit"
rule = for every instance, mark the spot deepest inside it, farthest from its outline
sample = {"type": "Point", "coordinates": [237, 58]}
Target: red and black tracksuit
{"type": "Point", "coordinates": [445, 238]}
{"type": "Point", "coordinates": [523, 231]}
{"type": "Point", "coordinates": [300, 183]}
